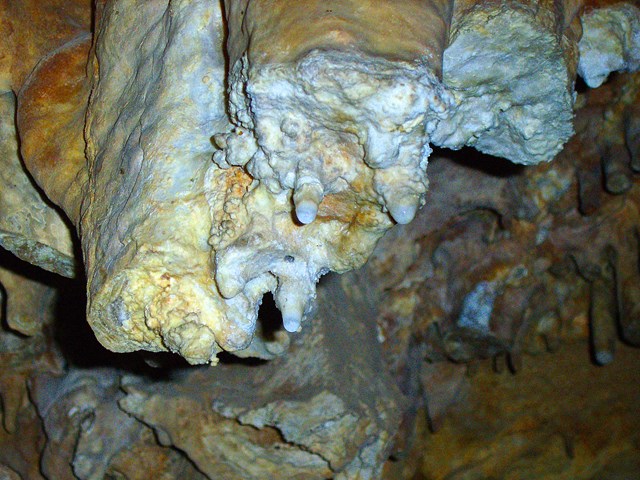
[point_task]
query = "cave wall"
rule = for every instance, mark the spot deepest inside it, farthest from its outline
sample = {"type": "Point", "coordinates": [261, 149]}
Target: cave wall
{"type": "Point", "coordinates": [191, 185]}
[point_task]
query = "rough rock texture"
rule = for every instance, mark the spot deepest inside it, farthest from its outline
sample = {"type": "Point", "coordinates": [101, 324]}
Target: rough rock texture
{"type": "Point", "coordinates": [504, 103]}
{"type": "Point", "coordinates": [315, 133]}
{"type": "Point", "coordinates": [610, 43]}
{"type": "Point", "coordinates": [30, 227]}
{"type": "Point", "coordinates": [146, 220]}
{"type": "Point", "coordinates": [301, 419]}
{"type": "Point", "coordinates": [506, 266]}
{"type": "Point", "coordinates": [333, 108]}
{"type": "Point", "coordinates": [543, 423]}
{"type": "Point", "coordinates": [184, 226]}
{"type": "Point", "coordinates": [177, 230]}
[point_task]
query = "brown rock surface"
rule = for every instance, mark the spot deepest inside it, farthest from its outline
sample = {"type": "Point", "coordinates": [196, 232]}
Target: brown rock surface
{"type": "Point", "coordinates": [30, 227]}
{"type": "Point", "coordinates": [34, 29]}
{"type": "Point", "coordinates": [559, 417]}
{"type": "Point", "coordinates": [193, 207]}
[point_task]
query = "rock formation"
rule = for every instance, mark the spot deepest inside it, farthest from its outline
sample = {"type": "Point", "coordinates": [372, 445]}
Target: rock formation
{"type": "Point", "coordinates": [324, 129]}
{"type": "Point", "coordinates": [216, 156]}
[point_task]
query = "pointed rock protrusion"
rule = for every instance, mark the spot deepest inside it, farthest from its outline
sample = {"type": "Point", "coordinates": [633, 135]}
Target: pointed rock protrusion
{"type": "Point", "coordinates": [307, 198]}
{"type": "Point", "coordinates": [402, 205]}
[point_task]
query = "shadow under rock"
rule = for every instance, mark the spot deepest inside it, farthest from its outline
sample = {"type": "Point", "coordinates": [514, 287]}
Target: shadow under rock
{"type": "Point", "coordinates": [471, 158]}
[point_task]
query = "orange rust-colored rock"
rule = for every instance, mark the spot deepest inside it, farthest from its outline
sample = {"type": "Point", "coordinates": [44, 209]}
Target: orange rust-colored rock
{"type": "Point", "coordinates": [32, 29]}
{"type": "Point", "coordinates": [54, 151]}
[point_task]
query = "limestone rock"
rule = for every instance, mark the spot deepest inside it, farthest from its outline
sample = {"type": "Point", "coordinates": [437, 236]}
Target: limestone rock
{"type": "Point", "coordinates": [205, 185]}
{"type": "Point", "coordinates": [610, 42]}
{"type": "Point", "coordinates": [506, 104]}
{"type": "Point", "coordinates": [291, 417]}
{"type": "Point", "coordinates": [30, 227]}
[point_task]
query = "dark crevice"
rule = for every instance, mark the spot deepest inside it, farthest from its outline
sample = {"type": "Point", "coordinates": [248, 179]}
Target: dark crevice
{"type": "Point", "coordinates": [269, 318]}
{"type": "Point", "coordinates": [471, 158]}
